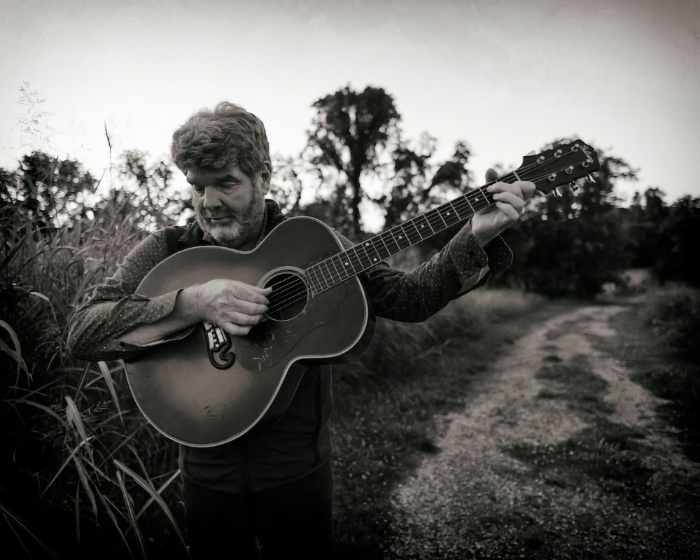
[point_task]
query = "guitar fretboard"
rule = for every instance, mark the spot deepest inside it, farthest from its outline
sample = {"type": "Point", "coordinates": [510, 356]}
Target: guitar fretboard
{"type": "Point", "coordinates": [363, 256]}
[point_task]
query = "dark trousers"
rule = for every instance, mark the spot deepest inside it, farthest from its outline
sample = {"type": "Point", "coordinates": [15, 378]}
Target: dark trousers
{"type": "Point", "coordinates": [289, 521]}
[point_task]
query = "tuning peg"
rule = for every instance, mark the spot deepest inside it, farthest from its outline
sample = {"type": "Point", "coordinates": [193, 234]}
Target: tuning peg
{"type": "Point", "coordinates": [556, 193]}
{"type": "Point", "coordinates": [590, 179]}
{"type": "Point", "coordinates": [565, 141]}
{"type": "Point", "coordinates": [574, 186]}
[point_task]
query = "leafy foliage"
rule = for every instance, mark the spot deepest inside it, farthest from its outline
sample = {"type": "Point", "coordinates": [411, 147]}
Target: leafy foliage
{"type": "Point", "coordinates": [679, 234]}
{"type": "Point", "coordinates": [673, 312]}
{"type": "Point", "coordinates": [572, 245]}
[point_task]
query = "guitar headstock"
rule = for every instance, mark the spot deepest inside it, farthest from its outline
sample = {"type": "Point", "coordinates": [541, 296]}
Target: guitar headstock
{"type": "Point", "coordinates": [559, 165]}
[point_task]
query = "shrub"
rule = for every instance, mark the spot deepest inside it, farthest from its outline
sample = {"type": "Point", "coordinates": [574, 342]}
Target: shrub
{"type": "Point", "coordinates": [673, 312]}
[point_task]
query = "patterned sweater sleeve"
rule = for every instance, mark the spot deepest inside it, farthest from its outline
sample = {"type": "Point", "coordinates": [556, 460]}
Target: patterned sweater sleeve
{"type": "Point", "coordinates": [95, 328]}
{"type": "Point", "coordinates": [461, 266]}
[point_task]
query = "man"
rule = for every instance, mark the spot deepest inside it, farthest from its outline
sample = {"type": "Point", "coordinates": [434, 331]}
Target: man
{"type": "Point", "coordinates": [265, 493]}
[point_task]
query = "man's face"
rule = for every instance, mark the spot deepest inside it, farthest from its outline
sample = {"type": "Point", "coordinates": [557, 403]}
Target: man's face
{"type": "Point", "coordinates": [228, 204]}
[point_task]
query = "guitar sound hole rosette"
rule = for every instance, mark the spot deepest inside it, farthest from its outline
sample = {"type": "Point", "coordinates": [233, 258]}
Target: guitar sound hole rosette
{"type": "Point", "coordinates": [289, 296]}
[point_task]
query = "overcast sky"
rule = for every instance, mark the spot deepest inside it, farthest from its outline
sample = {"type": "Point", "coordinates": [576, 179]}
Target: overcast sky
{"type": "Point", "coordinates": [506, 76]}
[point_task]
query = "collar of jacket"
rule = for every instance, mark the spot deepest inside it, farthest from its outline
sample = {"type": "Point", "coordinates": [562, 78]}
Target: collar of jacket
{"type": "Point", "coordinates": [195, 237]}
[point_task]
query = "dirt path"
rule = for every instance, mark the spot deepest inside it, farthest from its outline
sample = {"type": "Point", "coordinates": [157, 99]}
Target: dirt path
{"type": "Point", "coordinates": [558, 454]}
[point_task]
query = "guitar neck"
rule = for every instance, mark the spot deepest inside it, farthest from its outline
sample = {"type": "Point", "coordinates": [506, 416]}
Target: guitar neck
{"type": "Point", "coordinates": [555, 166]}
{"type": "Point", "coordinates": [363, 256]}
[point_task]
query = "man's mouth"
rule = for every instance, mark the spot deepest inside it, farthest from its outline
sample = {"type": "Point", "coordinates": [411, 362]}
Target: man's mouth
{"type": "Point", "coordinates": [217, 219]}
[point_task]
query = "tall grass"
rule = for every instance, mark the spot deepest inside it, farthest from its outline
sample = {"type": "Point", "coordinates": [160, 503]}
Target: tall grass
{"type": "Point", "coordinates": [78, 453]}
{"type": "Point", "coordinates": [672, 313]}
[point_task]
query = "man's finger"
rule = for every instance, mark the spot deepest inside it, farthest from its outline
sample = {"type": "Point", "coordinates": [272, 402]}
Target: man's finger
{"type": "Point", "coordinates": [491, 175]}
{"type": "Point", "coordinates": [253, 294]}
{"type": "Point", "coordinates": [527, 188]}
{"type": "Point", "coordinates": [241, 319]}
{"type": "Point", "coordinates": [509, 198]}
{"type": "Point", "coordinates": [238, 305]}
{"type": "Point", "coordinates": [510, 212]}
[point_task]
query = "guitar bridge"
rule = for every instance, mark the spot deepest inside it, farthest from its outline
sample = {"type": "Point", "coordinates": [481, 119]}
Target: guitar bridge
{"type": "Point", "coordinates": [218, 346]}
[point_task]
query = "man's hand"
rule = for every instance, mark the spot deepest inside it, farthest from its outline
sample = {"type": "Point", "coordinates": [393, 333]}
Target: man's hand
{"type": "Point", "coordinates": [510, 202]}
{"type": "Point", "coordinates": [234, 306]}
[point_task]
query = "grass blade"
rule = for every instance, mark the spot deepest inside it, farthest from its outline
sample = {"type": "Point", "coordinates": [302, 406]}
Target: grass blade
{"type": "Point", "coordinates": [110, 385]}
{"type": "Point", "coordinates": [15, 354]}
{"type": "Point", "coordinates": [132, 516]}
{"type": "Point", "coordinates": [108, 508]}
{"type": "Point", "coordinates": [75, 419]}
{"type": "Point", "coordinates": [63, 466]}
{"type": "Point", "coordinates": [159, 492]}
{"type": "Point", "coordinates": [42, 407]}
{"type": "Point", "coordinates": [85, 479]}
{"type": "Point", "coordinates": [10, 517]}
{"type": "Point", "coordinates": [154, 495]}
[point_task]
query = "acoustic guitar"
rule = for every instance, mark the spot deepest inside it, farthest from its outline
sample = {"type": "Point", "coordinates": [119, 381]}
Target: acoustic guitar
{"type": "Point", "coordinates": [210, 388]}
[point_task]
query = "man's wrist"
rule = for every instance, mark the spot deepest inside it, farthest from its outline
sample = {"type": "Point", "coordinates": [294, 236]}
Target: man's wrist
{"type": "Point", "coordinates": [187, 305]}
{"type": "Point", "coordinates": [482, 237]}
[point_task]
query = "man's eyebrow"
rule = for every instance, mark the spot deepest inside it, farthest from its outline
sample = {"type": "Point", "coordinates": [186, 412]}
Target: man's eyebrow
{"type": "Point", "coordinates": [228, 178]}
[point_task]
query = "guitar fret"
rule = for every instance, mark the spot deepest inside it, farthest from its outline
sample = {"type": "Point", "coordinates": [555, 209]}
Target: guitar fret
{"type": "Point", "coordinates": [357, 260]}
{"type": "Point", "coordinates": [339, 271]}
{"type": "Point", "coordinates": [448, 214]}
{"type": "Point", "coordinates": [376, 258]}
{"type": "Point", "coordinates": [480, 198]}
{"type": "Point", "coordinates": [412, 234]}
{"type": "Point", "coordinates": [470, 204]}
{"type": "Point", "coordinates": [438, 225]}
{"type": "Point", "coordinates": [388, 253]}
{"type": "Point", "coordinates": [318, 279]}
{"type": "Point", "coordinates": [333, 282]}
{"type": "Point", "coordinates": [367, 261]}
{"type": "Point", "coordinates": [455, 204]}
{"type": "Point", "coordinates": [419, 229]}
{"type": "Point", "coordinates": [392, 240]}
{"type": "Point", "coordinates": [400, 237]}
{"type": "Point", "coordinates": [346, 261]}
{"type": "Point", "coordinates": [323, 275]}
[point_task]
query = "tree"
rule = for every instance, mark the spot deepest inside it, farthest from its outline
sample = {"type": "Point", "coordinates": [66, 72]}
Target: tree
{"type": "Point", "coordinates": [572, 245]}
{"type": "Point", "coordinates": [356, 155]}
{"type": "Point", "coordinates": [679, 232]}
{"type": "Point", "coordinates": [645, 243]}
{"type": "Point", "coordinates": [348, 135]}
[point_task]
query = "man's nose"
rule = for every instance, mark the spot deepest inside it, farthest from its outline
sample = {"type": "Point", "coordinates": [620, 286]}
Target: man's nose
{"type": "Point", "coordinates": [212, 197]}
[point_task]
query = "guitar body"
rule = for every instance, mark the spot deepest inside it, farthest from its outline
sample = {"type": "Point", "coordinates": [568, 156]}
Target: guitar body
{"type": "Point", "coordinates": [201, 402]}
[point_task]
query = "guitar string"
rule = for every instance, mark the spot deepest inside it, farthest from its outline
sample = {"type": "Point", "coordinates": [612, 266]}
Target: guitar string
{"type": "Point", "coordinates": [433, 217]}
{"type": "Point", "coordinates": [298, 287]}
{"type": "Point", "coordinates": [297, 282]}
{"type": "Point", "coordinates": [434, 221]}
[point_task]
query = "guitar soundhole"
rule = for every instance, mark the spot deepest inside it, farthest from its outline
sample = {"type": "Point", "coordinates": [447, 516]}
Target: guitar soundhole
{"type": "Point", "coordinates": [288, 298]}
